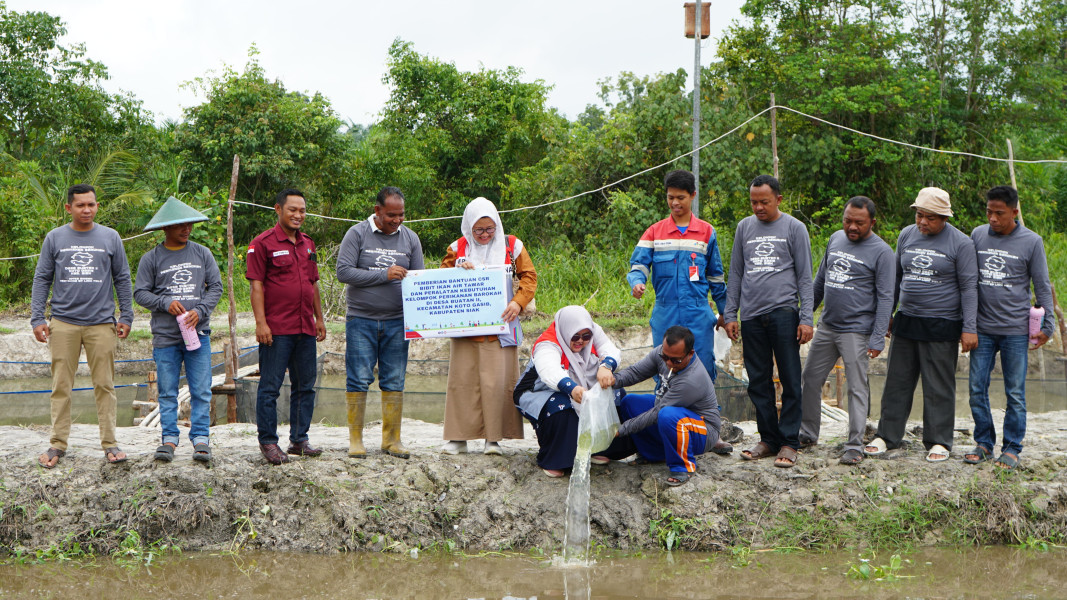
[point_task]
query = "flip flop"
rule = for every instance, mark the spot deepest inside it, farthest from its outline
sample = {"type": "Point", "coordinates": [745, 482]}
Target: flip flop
{"type": "Point", "coordinates": [760, 450]}
{"type": "Point", "coordinates": [851, 457]}
{"type": "Point", "coordinates": [202, 452]}
{"type": "Point", "coordinates": [553, 473]}
{"type": "Point", "coordinates": [787, 457]}
{"type": "Point", "coordinates": [937, 450]}
{"type": "Point", "coordinates": [677, 478]}
{"type": "Point", "coordinates": [879, 447]}
{"type": "Point", "coordinates": [599, 460]}
{"type": "Point", "coordinates": [165, 453]}
{"type": "Point", "coordinates": [1006, 461]}
{"type": "Point", "coordinates": [979, 451]}
{"type": "Point", "coordinates": [55, 453]}
{"type": "Point", "coordinates": [114, 451]}
{"type": "Point", "coordinates": [722, 448]}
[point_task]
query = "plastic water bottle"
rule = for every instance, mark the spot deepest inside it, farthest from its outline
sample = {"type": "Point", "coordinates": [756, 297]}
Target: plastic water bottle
{"type": "Point", "coordinates": [1037, 314]}
{"type": "Point", "coordinates": [192, 340]}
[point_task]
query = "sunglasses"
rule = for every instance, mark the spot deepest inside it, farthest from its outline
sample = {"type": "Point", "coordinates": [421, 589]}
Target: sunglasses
{"type": "Point", "coordinates": [583, 337]}
{"type": "Point", "coordinates": [672, 360]}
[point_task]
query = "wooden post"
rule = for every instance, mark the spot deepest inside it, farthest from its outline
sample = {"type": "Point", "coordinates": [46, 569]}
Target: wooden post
{"type": "Point", "coordinates": [231, 399]}
{"type": "Point", "coordinates": [1059, 320]}
{"type": "Point", "coordinates": [231, 360]}
{"type": "Point", "coordinates": [839, 392]}
{"type": "Point", "coordinates": [1011, 170]}
{"type": "Point", "coordinates": [153, 389]}
{"type": "Point", "coordinates": [774, 134]}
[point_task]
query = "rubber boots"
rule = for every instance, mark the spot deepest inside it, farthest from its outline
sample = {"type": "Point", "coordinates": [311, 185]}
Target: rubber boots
{"type": "Point", "coordinates": [392, 407]}
{"type": "Point", "coordinates": [357, 406]}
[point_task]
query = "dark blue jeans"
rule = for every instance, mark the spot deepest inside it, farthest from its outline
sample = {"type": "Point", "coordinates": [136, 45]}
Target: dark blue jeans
{"type": "Point", "coordinates": [370, 342]}
{"type": "Point", "coordinates": [768, 339]}
{"type": "Point", "coordinates": [1013, 361]}
{"type": "Point", "coordinates": [297, 353]}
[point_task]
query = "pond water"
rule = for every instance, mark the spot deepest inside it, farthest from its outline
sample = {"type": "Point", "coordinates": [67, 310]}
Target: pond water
{"type": "Point", "coordinates": [425, 399]}
{"type": "Point", "coordinates": [931, 573]}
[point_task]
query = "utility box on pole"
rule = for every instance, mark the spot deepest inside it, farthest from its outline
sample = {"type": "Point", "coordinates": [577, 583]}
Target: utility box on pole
{"type": "Point", "coordinates": [690, 19]}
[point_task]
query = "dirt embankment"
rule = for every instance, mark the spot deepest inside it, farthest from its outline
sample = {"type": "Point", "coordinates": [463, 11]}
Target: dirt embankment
{"type": "Point", "coordinates": [476, 502]}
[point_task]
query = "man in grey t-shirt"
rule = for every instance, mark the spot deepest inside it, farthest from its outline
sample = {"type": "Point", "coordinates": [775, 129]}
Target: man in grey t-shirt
{"type": "Point", "coordinates": [770, 283]}
{"type": "Point", "coordinates": [936, 279]}
{"type": "Point", "coordinates": [855, 279]}
{"type": "Point", "coordinates": [679, 421]}
{"type": "Point", "coordinates": [84, 265]}
{"type": "Point", "coordinates": [180, 280]}
{"type": "Point", "coordinates": [374, 256]}
{"type": "Point", "coordinates": [1010, 258]}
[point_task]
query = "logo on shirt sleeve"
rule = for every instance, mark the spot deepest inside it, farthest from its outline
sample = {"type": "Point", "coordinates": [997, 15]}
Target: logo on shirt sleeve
{"type": "Point", "coordinates": [251, 249]}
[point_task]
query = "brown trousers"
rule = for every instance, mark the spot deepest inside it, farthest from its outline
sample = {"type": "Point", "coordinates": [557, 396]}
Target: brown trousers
{"type": "Point", "coordinates": [478, 400]}
{"type": "Point", "coordinates": [65, 341]}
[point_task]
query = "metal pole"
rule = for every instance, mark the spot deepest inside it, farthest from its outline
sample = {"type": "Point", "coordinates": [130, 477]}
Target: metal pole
{"type": "Point", "coordinates": [697, 30]}
{"type": "Point", "coordinates": [774, 134]}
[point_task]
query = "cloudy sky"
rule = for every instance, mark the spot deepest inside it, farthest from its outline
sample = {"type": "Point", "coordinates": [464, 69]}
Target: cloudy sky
{"type": "Point", "coordinates": [340, 47]}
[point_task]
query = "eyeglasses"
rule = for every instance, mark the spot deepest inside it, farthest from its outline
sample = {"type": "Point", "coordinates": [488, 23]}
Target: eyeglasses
{"type": "Point", "coordinates": [584, 337]}
{"type": "Point", "coordinates": [672, 360]}
{"type": "Point", "coordinates": [484, 230]}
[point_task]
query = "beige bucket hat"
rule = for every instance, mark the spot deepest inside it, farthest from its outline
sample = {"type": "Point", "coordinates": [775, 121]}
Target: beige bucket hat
{"type": "Point", "coordinates": [933, 200]}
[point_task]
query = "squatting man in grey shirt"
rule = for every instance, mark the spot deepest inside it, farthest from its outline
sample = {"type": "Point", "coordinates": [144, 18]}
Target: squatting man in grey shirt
{"type": "Point", "coordinates": [682, 414]}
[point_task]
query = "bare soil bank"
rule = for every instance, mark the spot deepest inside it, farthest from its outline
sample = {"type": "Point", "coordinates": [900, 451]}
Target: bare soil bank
{"type": "Point", "coordinates": [476, 502]}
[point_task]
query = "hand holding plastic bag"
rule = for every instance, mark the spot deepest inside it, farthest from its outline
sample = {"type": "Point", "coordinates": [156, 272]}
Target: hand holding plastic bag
{"type": "Point", "coordinates": [598, 420]}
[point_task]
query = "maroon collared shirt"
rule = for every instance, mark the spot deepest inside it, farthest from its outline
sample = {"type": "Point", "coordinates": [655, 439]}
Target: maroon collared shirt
{"type": "Point", "coordinates": [288, 272]}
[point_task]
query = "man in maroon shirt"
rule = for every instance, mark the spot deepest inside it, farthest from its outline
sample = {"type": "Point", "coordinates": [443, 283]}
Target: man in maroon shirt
{"type": "Point", "coordinates": [283, 270]}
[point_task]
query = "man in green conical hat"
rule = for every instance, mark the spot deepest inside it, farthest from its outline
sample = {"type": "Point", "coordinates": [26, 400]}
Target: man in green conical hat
{"type": "Point", "coordinates": [180, 280]}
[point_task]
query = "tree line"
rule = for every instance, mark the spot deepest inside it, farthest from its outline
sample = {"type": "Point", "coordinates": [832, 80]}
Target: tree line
{"type": "Point", "coordinates": [960, 75]}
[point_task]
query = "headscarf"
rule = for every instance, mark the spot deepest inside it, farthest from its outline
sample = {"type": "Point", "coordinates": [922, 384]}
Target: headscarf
{"type": "Point", "coordinates": [583, 365]}
{"type": "Point", "coordinates": [495, 251]}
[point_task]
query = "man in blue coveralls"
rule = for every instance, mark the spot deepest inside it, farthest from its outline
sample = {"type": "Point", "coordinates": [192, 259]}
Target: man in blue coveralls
{"type": "Point", "coordinates": [681, 253]}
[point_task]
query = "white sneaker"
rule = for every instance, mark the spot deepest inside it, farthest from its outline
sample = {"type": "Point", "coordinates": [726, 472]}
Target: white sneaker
{"type": "Point", "coordinates": [454, 448]}
{"type": "Point", "coordinates": [493, 448]}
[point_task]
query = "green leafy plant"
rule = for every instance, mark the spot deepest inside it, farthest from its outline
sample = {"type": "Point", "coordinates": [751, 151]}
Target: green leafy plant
{"type": "Point", "coordinates": [866, 570]}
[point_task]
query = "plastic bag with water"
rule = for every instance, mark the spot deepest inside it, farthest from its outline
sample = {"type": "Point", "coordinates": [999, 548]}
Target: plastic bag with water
{"type": "Point", "coordinates": [597, 420]}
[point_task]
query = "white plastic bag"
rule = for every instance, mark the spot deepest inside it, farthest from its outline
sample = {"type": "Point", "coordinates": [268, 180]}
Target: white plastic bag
{"type": "Point", "coordinates": [722, 348]}
{"type": "Point", "coordinates": [598, 420]}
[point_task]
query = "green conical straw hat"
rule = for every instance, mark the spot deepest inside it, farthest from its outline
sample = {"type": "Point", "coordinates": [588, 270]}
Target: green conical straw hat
{"type": "Point", "coordinates": [174, 212]}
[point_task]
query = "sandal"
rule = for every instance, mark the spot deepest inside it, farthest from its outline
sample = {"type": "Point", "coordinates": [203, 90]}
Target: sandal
{"type": "Point", "coordinates": [851, 457]}
{"type": "Point", "coordinates": [722, 448]}
{"type": "Point", "coordinates": [599, 460]}
{"type": "Point", "coordinates": [165, 452]}
{"type": "Point", "coordinates": [1006, 461]}
{"type": "Point", "coordinates": [787, 457]}
{"type": "Point", "coordinates": [202, 452]}
{"type": "Point", "coordinates": [553, 473]}
{"type": "Point", "coordinates": [807, 442]}
{"type": "Point", "coordinates": [937, 450]}
{"type": "Point", "coordinates": [980, 452]}
{"type": "Point", "coordinates": [879, 447]}
{"type": "Point", "coordinates": [760, 450]}
{"type": "Point", "coordinates": [114, 451]}
{"type": "Point", "coordinates": [55, 453]}
{"type": "Point", "coordinates": [677, 478]}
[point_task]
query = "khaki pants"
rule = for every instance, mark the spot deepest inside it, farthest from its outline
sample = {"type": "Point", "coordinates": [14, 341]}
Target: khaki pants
{"type": "Point", "coordinates": [65, 342]}
{"type": "Point", "coordinates": [478, 397]}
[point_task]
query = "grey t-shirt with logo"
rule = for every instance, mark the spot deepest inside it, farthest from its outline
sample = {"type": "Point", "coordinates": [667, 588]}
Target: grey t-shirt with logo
{"type": "Point", "coordinates": [85, 270]}
{"type": "Point", "coordinates": [1006, 266]}
{"type": "Point", "coordinates": [362, 261]}
{"type": "Point", "coordinates": [190, 276]}
{"type": "Point", "coordinates": [937, 275]}
{"type": "Point", "coordinates": [856, 281]}
{"type": "Point", "coordinates": [689, 388]}
{"type": "Point", "coordinates": [770, 268]}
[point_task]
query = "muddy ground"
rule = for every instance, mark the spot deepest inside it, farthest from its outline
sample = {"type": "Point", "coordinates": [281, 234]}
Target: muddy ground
{"type": "Point", "coordinates": [475, 502]}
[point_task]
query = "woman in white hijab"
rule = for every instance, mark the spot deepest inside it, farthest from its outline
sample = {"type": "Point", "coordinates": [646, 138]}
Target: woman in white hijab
{"type": "Point", "coordinates": [482, 370]}
{"type": "Point", "coordinates": [571, 356]}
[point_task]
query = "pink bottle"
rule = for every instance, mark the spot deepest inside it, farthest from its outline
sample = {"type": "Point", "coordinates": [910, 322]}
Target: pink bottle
{"type": "Point", "coordinates": [192, 340]}
{"type": "Point", "coordinates": [1037, 314]}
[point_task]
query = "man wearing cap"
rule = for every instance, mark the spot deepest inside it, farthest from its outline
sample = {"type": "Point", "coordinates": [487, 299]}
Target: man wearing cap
{"type": "Point", "coordinates": [937, 303]}
{"type": "Point", "coordinates": [283, 270]}
{"type": "Point", "coordinates": [1010, 258]}
{"type": "Point", "coordinates": [770, 284]}
{"type": "Point", "coordinates": [84, 265]}
{"type": "Point", "coordinates": [179, 280]}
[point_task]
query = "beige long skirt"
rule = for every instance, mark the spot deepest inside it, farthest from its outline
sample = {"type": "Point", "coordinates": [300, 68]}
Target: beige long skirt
{"type": "Point", "coordinates": [478, 400]}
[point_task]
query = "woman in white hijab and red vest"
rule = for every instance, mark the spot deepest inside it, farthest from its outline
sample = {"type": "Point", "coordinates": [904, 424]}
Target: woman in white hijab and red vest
{"type": "Point", "coordinates": [570, 357]}
{"type": "Point", "coordinates": [482, 370]}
